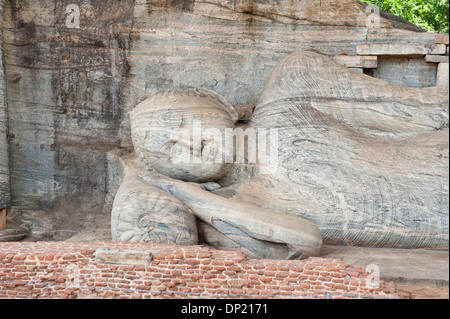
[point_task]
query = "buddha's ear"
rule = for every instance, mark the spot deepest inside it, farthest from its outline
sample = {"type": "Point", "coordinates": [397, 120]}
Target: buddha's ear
{"type": "Point", "coordinates": [219, 100]}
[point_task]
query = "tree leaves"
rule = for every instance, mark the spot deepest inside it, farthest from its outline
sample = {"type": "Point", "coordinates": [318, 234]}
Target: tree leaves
{"type": "Point", "coordinates": [431, 15]}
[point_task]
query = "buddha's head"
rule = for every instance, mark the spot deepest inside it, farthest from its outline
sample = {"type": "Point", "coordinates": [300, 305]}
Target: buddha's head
{"type": "Point", "coordinates": [181, 134]}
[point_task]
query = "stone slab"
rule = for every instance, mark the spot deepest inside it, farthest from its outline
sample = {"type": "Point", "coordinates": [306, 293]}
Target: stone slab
{"type": "Point", "coordinates": [396, 49]}
{"type": "Point", "coordinates": [123, 257]}
{"type": "Point", "coordinates": [13, 232]}
{"type": "Point", "coordinates": [442, 75]}
{"type": "Point", "coordinates": [403, 266]}
{"type": "Point", "coordinates": [441, 39]}
{"type": "Point", "coordinates": [5, 194]}
{"type": "Point", "coordinates": [437, 58]}
{"type": "Point", "coordinates": [367, 62]}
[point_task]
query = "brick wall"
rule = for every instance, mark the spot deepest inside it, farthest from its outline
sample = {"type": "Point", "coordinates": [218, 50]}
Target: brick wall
{"type": "Point", "coordinates": [70, 270]}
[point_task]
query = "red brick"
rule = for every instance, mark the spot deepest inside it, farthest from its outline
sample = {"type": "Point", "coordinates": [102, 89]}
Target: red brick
{"type": "Point", "coordinates": [339, 286]}
{"type": "Point", "coordinates": [219, 268]}
{"type": "Point", "coordinates": [192, 262]}
{"type": "Point", "coordinates": [184, 289]}
{"type": "Point", "coordinates": [126, 268]}
{"type": "Point", "coordinates": [337, 280]}
{"type": "Point", "coordinates": [169, 284]}
{"type": "Point", "coordinates": [318, 287]}
{"type": "Point", "coordinates": [251, 292]}
{"type": "Point", "coordinates": [354, 274]}
{"type": "Point", "coordinates": [221, 291]}
{"type": "Point", "coordinates": [158, 256]}
{"type": "Point", "coordinates": [212, 285]}
{"type": "Point", "coordinates": [229, 273]}
{"type": "Point", "coordinates": [20, 257]}
{"type": "Point", "coordinates": [281, 274]}
{"type": "Point", "coordinates": [196, 277]}
{"type": "Point", "coordinates": [176, 273]}
{"type": "Point", "coordinates": [305, 286]}
{"type": "Point", "coordinates": [265, 279]}
{"type": "Point", "coordinates": [315, 266]}
{"type": "Point", "coordinates": [178, 281]}
{"type": "Point", "coordinates": [219, 281]}
{"type": "Point", "coordinates": [325, 279]}
{"type": "Point", "coordinates": [203, 255]}
{"type": "Point", "coordinates": [291, 280]}
{"type": "Point", "coordinates": [287, 288]}
{"type": "Point", "coordinates": [189, 254]}
{"type": "Point", "coordinates": [237, 291]}
{"type": "Point", "coordinates": [161, 288]}
{"type": "Point", "coordinates": [69, 257]}
{"type": "Point", "coordinates": [311, 273]}
{"type": "Point", "coordinates": [233, 282]}
{"type": "Point", "coordinates": [198, 290]}
{"type": "Point", "coordinates": [206, 267]}
{"type": "Point", "coordinates": [297, 269]}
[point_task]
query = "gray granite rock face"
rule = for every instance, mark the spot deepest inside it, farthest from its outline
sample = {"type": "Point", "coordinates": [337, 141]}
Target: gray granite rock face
{"type": "Point", "coordinates": [5, 193]}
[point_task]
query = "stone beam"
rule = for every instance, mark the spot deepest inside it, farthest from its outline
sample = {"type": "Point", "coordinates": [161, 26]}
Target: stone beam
{"type": "Point", "coordinates": [396, 49]}
{"type": "Point", "coordinates": [365, 62]}
{"type": "Point", "coordinates": [437, 58]}
{"type": "Point", "coordinates": [123, 257]}
{"type": "Point", "coordinates": [441, 39]}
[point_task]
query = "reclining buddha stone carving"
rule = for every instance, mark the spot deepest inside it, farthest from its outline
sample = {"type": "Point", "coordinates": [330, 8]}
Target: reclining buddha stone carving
{"type": "Point", "coordinates": [360, 162]}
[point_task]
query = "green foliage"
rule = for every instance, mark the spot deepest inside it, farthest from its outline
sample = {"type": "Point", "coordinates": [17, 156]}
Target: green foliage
{"type": "Point", "coordinates": [431, 15]}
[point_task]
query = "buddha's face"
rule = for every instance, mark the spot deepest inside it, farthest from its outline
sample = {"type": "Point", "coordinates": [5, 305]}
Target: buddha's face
{"type": "Point", "coordinates": [183, 136]}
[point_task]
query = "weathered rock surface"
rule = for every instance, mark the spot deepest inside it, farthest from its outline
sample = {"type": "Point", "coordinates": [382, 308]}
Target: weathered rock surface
{"type": "Point", "coordinates": [365, 160]}
{"type": "Point", "coordinates": [5, 194]}
{"type": "Point", "coordinates": [13, 232]}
